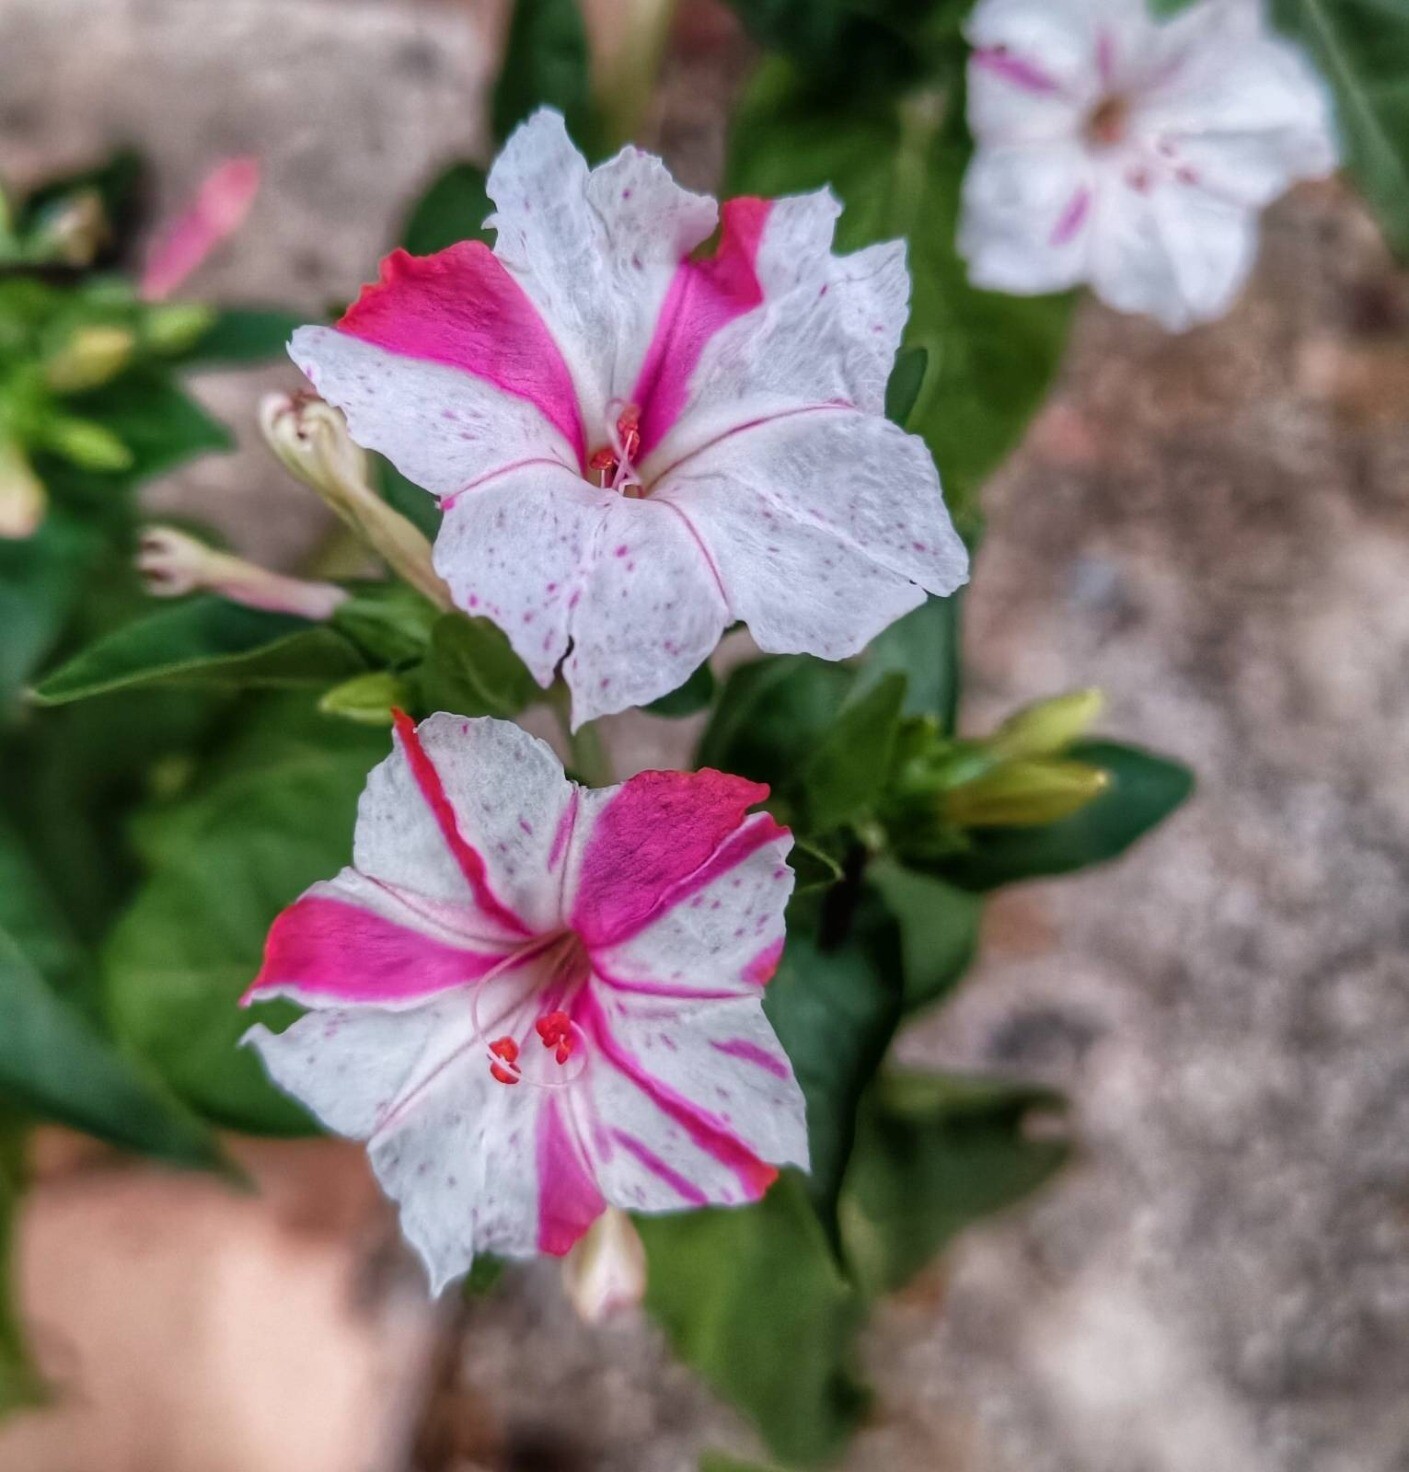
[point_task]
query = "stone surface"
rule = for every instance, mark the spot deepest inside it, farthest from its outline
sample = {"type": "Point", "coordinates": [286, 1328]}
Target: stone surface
{"type": "Point", "coordinates": [1214, 529]}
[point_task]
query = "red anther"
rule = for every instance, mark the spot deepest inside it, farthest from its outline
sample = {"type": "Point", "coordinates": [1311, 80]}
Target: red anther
{"type": "Point", "coordinates": [564, 1050]}
{"type": "Point", "coordinates": [628, 426]}
{"type": "Point", "coordinates": [604, 459]}
{"type": "Point", "coordinates": [553, 1027]}
{"type": "Point", "coordinates": [505, 1048]}
{"type": "Point", "coordinates": [502, 1074]}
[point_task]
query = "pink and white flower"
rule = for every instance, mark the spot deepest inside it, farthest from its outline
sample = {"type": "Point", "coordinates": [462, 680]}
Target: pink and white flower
{"type": "Point", "coordinates": [534, 1000]}
{"type": "Point", "coordinates": [633, 445]}
{"type": "Point", "coordinates": [1131, 154]}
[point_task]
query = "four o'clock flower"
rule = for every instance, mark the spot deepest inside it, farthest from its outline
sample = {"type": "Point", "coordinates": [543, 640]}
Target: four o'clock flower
{"type": "Point", "coordinates": [1132, 154]}
{"type": "Point", "coordinates": [634, 444]}
{"type": "Point", "coordinates": [535, 1000]}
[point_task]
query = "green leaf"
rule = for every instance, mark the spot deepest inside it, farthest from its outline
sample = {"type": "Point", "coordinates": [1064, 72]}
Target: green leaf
{"type": "Point", "coordinates": [20, 1385]}
{"type": "Point", "coordinates": [835, 1012]}
{"type": "Point", "coordinates": [276, 816]}
{"type": "Point", "coordinates": [389, 622]}
{"type": "Point", "coordinates": [41, 577]}
{"type": "Point", "coordinates": [30, 913]}
{"type": "Point", "coordinates": [846, 770]}
{"type": "Point", "coordinates": [159, 424]}
{"type": "Point", "coordinates": [205, 640]}
{"type": "Point", "coordinates": [933, 1155]}
{"type": "Point", "coordinates": [1362, 49]}
{"type": "Point", "coordinates": [454, 208]}
{"type": "Point", "coordinates": [1145, 789]}
{"type": "Point", "coordinates": [898, 170]}
{"type": "Point", "coordinates": [752, 1299]}
{"type": "Point", "coordinates": [924, 646]}
{"type": "Point", "coordinates": [939, 927]}
{"type": "Point", "coordinates": [694, 695]}
{"type": "Point", "coordinates": [769, 716]}
{"type": "Point", "coordinates": [243, 335]}
{"type": "Point", "coordinates": [53, 1063]}
{"type": "Point", "coordinates": [907, 378]}
{"type": "Point", "coordinates": [473, 671]}
{"type": "Point", "coordinates": [546, 64]}
{"type": "Point", "coordinates": [856, 44]}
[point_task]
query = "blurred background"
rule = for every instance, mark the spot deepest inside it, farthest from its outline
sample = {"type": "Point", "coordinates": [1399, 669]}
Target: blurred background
{"type": "Point", "coordinates": [1213, 528]}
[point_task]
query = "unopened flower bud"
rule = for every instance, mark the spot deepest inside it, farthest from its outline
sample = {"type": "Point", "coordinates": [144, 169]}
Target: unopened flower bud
{"type": "Point", "coordinates": [177, 326]}
{"type": "Point", "coordinates": [1021, 794]}
{"type": "Point", "coordinates": [22, 495]}
{"type": "Point", "coordinates": [605, 1273]}
{"type": "Point", "coordinates": [310, 437]}
{"type": "Point", "coordinates": [173, 564]}
{"type": "Point", "coordinates": [1048, 726]}
{"type": "Point", "coordinates": [183, 243]}
{"type": "Point", "coordinates": [85, 444]}
{"type": "Point", "coordinates": [74, 231]}
{"type": "Point", "coordinates": [91, 357]}
{"type": "Point", "coordinates": [368, 699]}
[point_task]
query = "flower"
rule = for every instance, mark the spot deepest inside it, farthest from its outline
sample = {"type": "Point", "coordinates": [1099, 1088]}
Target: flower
{"type": "Point", "coordinates": [1132, 154]}
{"type": "Point", "coordinates": [534, 1000]}
{"type": "Point", "coordinates": [605, 1273]}
{"type": "Point", "coordinates": [183, 243]}
{"type": "Point", "coordinates": [634, 446]}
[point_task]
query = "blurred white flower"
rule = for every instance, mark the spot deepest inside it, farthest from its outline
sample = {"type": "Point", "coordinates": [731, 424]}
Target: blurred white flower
{"type": "Point", "coordinates": [1132, 154]}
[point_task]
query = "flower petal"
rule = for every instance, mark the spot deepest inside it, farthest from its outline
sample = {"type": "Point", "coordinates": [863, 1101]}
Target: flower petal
{"type": "Point", "coordinates": [355, 940]}
{"type": "Point", "coordinates": [688, 1109]}
{"type": "Point", "coordinates": [824, 527]}
{"type": "Point", "coordinates": [1020, 231]}
{"type": "Point", "coordinates": [595, 252]}
{"type": "Point", "coordinates": [461, 308]}
{"type": "Point", "coordinates": [653, 841]}
{"type": "Point", "coordinates": [219, 209]}
{"type": "Point", "coordinates": [467, 812]}
{"type": "Point", "coordinates": [441, 428]}
{"type": "Point", "coordinates": [651, 610]}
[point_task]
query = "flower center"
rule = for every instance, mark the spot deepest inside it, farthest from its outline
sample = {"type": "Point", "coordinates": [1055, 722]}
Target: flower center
{"type": "Point", "coordinates": [613, 464]}
{"type": "Point", "coordinates": [523, 1011]}
{"type": "Point", "coordinates": [1108, 122]}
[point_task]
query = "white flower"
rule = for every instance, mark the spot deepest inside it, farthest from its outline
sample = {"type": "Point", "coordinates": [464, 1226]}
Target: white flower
{"type": "Point", "coordinates": [1131, 154]}
{"type": "Point", "coordinates": [535, 1000]}
{"type": "Point", "coordinates": [634, 447]}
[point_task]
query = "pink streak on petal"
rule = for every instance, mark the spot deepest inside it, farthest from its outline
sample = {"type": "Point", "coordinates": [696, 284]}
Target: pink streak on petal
{"type": "Point", "coordinates": [1024, 74]}
{"type": "Point", "coordinates": [1073, 217]}
{"type": "Point", "coordinates": [218, 210]}
{"type": "Point", "coordinates": [328, 948]}
{"type": "Point", "coordinates": [708, 1133]}
{"type": "Point", "coordinates": [749, 1052]}
{"type": "Point", "coordinates": [568, 1198]}
{"type": "Point", "coordinates": [704, 296]}
{"type": "Point", "coordinates": [684, 1189]}
{"type": "Point", "coordinates": [460, 307]}
{"type": "Point", "coordinates": [564, 830]}
{"type": "Point", "coordinates": [423, 769]}
{"type": "Point", "coordinates": [761, 969]}
{"type": "Point", "coordinates": [1105, 58]}
{"type": "Point", "coordinates": [650, 838]}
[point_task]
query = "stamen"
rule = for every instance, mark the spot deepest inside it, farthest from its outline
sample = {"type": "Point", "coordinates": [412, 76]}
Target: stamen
{"type": "Point", "coordinates": [506, 1071]}
{"type": "Point", "coordinates": [1108, 122]}
{"type": "Point", "coordinates": [555, 1031]}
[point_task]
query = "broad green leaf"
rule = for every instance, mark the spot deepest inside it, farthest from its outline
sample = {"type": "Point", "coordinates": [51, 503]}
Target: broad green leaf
{"type": "Point", "coordinates": [770, 715]}
{"type": "Point", "coordinates": [243, 335]}
{"type": "Point", "coordinates": [933, 1155]}
{"type": "Point", "coordinates": [1145, 789]}
{"type": "Point", "coordinates": [898, 170]}
{"type": "Point", "coordinates": [30, 914]}
{"type": "Point", "coordinates": [54, 1064]}
{"type": "Point", "coordinates": [1361, 47]}
{"type": "Point", "coordinates": [752, 1299]}
{"type": "Point", "coordinates": [694, 695]}
{"type": "Point", "coordinates": [847, 769]}
{"type": "Point", "coordinates": [157, 422]}
{"type": "Point", "coordinates": [473, 671]}
{"type": "Point", "coordinates": [939, 926]}
{"type": "Point", "coordinates": [924, 646]}
{"type": "Point", "coordinates": [277, 817]}
{"type": "Point", "coordinates": [205, 640]}
{"type": "Point", "coordinates": [40, 579]}
{"type": "Point", "coordinates": [907, 378]}
{"type": "Point", "coordinates": [835, 1011]}
{"type": "Point", "coordinates": [454, 208]}
{"type": "Point", "coordinates": [546, 64]}
{"type": "Point", "coordinates": [20, 1385]}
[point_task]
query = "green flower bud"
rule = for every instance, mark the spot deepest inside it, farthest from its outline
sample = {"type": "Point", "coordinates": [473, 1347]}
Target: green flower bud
{"type": "Point", "coordinates": [85, 444]}
{"type": "Point", "coordinates": [91, 357]}
{"type": "Point", "coordinates": [174, 328]}
{"type": "Point", "coordinates": [1049, 726]}
{"type": "Point", "coordinates": [1024, 794]}
{"type": "Point", "coordinates": [368, 699]}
